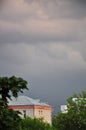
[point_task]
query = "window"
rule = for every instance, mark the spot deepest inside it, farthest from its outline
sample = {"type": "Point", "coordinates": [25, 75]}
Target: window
{"type": "Point", "coordinates": [24, 111]}
{"type": "Point", "coordinates": [40, 112]}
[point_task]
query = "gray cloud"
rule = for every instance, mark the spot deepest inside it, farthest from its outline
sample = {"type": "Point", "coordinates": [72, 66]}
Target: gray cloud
{"type": "Point", "coordinates": [31, 23]}
{"type": "Point", "coordinates": [19, 37]}
{"type": "Point", "coordinates": [54, 71]}
{"type": "Point", "coordinates": [43, 41]}
{"type": "Point", "coordinates": [1, 2]}
{"type": "Point", "coordinates": [67, 9]}
{"type": "Point", "coordinates": [63, 9]}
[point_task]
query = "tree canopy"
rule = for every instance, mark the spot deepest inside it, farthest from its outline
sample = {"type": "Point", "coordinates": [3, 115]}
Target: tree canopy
{"type": "Point", "coordinates": [10, 86]}
{"type": "Point", "coordinates": [35, 124]}
{"type": "Point", "coordinates": [75, 117]}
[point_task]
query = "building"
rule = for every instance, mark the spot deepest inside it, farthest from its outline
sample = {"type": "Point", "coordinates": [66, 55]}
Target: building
{"type": "Point", "coordinates": [63, 108]}
{"type": "Point", "coordinates": [77, 101]}
{"type": "Point", "coordinates": [31, 108]}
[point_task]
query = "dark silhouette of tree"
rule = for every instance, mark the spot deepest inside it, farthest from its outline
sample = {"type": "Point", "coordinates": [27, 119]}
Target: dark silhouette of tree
{"type": "Point", "coordinates": [10, 86]}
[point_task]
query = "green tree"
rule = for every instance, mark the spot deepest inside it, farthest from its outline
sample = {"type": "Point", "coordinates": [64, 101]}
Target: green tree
{"type": "Point", "coordinates": [75, 117]}
{"type": "Point", "coordinates": [9, 119]}
{"type": "Point", "coordinates": [35, 124]}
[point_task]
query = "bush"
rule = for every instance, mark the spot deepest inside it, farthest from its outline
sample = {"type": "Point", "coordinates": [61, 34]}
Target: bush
{"type": "Point", "coordinates": [35, 124]}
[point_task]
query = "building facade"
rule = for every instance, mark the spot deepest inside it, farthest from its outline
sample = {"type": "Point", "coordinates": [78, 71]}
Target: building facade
{"type": "Point", "coordinates": [63, 108]}
{"type": "Point", "coordinates": [31, 108]}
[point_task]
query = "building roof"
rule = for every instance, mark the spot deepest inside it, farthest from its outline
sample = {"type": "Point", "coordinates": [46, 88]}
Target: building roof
{"type": "Point", "coordinates": [24, 100]}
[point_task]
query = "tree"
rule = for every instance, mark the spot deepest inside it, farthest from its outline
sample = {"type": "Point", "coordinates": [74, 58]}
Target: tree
{"type": "Point", "coordinates": [9, 119]}
{"type": "Point", "coordinates": [75, 117]}
{"type": "Point", "coordinates": [35, 124]}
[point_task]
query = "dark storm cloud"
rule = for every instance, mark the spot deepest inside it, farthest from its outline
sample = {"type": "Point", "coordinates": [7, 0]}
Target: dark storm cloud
{"type": "Point", "coordinates": [54, 71]}
{"type": "Point", "coordinates": [57, 88]}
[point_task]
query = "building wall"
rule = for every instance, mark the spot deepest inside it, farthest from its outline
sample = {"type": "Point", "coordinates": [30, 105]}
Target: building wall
{"type": "Point", "coordinates": [26, 111]}
{"type": "Point", "coordinates": [43, 112]}
{"type": "Point", "coordinates": [63, 108]}
{"type": "Point", "coordinates": [35, 111]}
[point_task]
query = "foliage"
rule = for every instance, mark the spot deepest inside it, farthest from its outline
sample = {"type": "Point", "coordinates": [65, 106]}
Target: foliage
{"type": "Point", "coordinates": [13, 85]}
{"type": "Point", "coordinates": [75, 117]}
{"type": "Point", "coordinates": [35, 124]}
{"type": "Point", "coordinates": [9, 119]}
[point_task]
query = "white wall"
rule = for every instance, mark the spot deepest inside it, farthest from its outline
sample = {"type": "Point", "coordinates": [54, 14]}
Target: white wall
{"type": "Point", "coordinates": [29, 112]}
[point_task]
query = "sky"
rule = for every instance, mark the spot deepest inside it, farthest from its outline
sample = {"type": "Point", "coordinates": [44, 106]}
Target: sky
{"type": "Point", "coordinates": [44, 42]}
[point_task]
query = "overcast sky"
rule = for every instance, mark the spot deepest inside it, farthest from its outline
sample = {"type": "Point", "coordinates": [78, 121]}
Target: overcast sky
{"type": "Point", "coordinates": [44, 42]}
